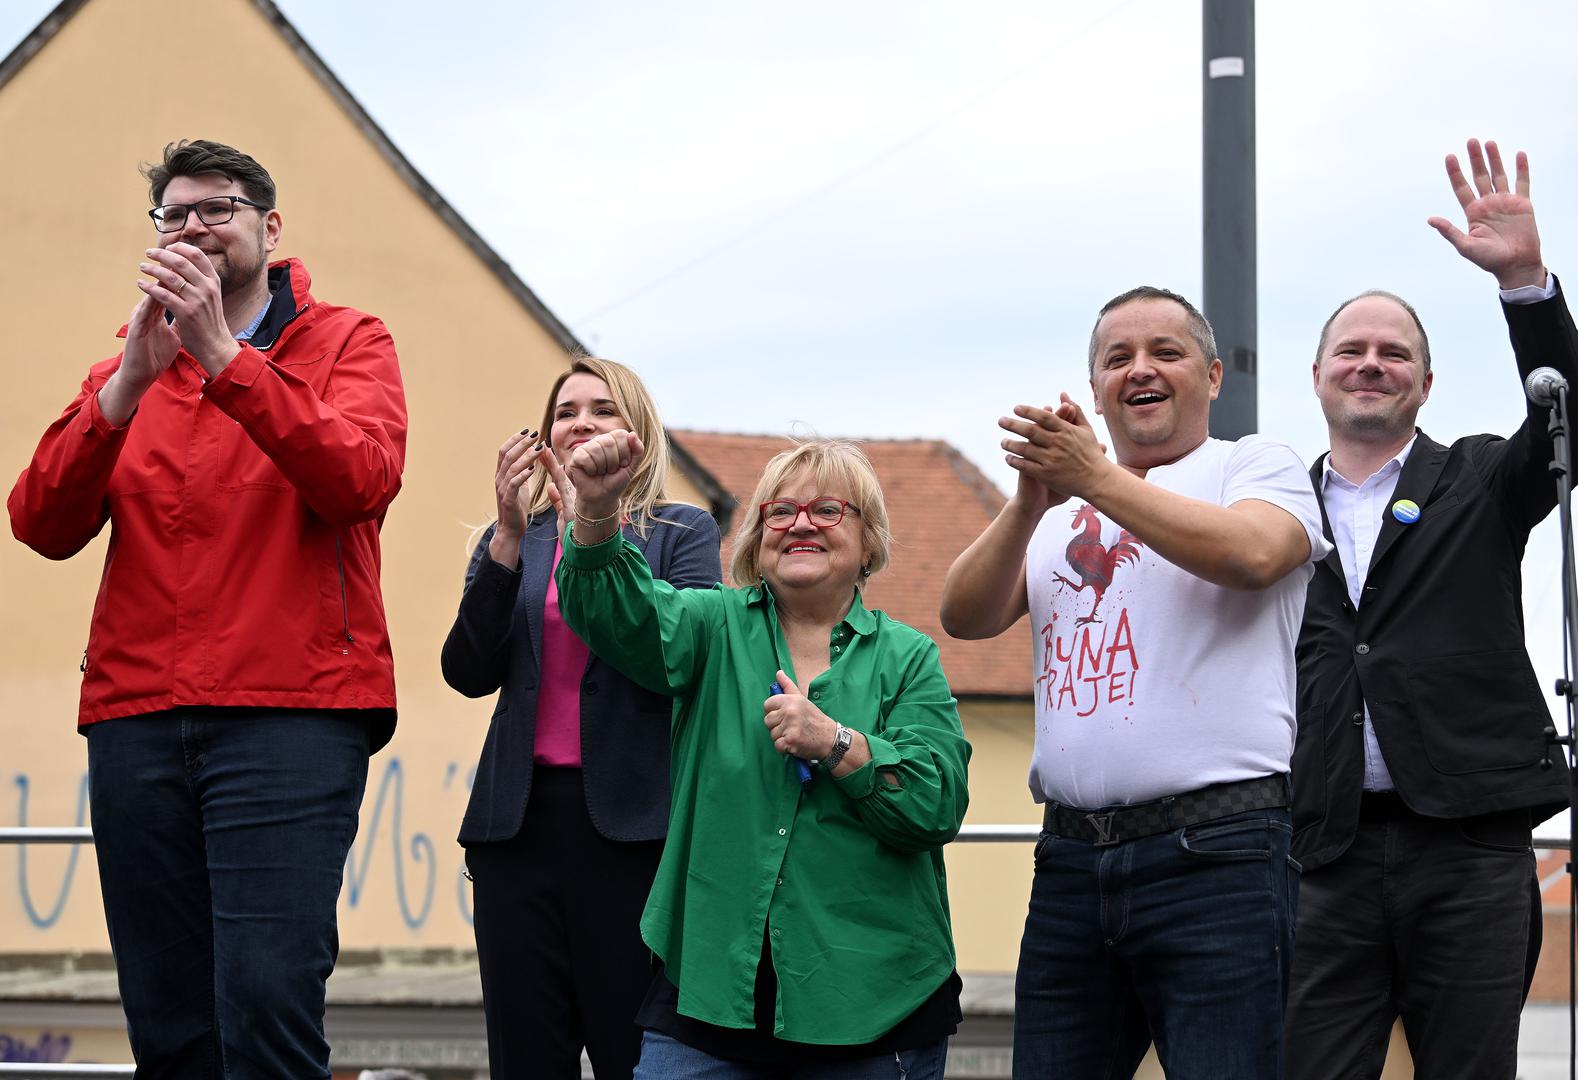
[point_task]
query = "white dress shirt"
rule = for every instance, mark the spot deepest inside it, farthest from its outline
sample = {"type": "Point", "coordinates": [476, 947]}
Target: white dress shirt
{"type": "Point", "coordinates": [1356, 513]}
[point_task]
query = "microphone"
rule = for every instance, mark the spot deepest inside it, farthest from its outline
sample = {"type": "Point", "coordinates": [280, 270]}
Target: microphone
{"type": "Point", "coordinates": [1542, 385]}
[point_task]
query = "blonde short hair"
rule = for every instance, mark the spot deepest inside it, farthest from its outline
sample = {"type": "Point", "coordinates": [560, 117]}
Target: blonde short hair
{"type": "Point", "coordinates": [837, 466]}
{"type": "Point", "coordinates": [649, 481]}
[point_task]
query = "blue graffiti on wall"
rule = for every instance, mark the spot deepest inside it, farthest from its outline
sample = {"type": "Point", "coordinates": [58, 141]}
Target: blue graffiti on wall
{"type": "Point", "coordinates": [45, 921]}
{"type": "Point", "coordinates": [419, 850]}
{"type": "Point", "coordinates": [462, 893]}
{"type": "Point", "coordinates": [51, 1048]}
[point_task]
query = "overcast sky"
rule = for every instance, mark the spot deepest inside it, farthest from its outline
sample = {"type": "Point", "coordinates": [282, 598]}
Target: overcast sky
{"type": "Point", "coordinates": [899, 218]}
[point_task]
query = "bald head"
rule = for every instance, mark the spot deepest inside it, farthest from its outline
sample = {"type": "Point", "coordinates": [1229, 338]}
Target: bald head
{"type": "Point", "coordinates": [1422, 346]}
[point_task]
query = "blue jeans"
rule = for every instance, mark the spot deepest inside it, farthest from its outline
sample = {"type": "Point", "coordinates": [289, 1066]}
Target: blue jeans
{"type": "Point", "coordinates": [221, 837]}
{"type": "Point", "coordinates": [664, 1058]}
{"type": "Point", "coordinates": [1185, 937]}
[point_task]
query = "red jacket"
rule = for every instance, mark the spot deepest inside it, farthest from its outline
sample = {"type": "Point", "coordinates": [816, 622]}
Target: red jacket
{"type": "Point", "coordinates": [243, 557]}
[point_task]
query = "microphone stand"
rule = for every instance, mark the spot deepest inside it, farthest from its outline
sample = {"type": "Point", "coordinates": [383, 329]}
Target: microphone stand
{"type": "Point", "coordinates": [1561, 437]}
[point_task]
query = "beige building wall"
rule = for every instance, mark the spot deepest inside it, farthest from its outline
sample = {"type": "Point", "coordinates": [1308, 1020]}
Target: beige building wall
{"type": "Point", "coordinates": [989, 883]}
{"type": "Point", "coordinates": [102, 96]}
{"type": "Point", "coordinates": [79, 117]}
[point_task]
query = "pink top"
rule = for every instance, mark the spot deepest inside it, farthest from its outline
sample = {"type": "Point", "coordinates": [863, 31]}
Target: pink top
{"type": "Point", "coordinates": [564, 658]}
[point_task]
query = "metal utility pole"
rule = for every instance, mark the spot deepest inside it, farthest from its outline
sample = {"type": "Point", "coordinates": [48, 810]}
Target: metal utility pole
{"type": "Point", "coordinates": [1229, 241]}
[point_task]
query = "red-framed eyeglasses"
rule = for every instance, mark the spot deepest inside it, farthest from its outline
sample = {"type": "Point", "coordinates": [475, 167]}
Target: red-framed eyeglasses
{"type": "Point", "coordinates": [824, 512]}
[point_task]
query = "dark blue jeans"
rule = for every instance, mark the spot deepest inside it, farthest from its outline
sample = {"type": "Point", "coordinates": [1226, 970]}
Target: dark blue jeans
{"type": "Point", "coordinates": [1185, 938]}
{"type": "Point", "coordinates": [221, 837]}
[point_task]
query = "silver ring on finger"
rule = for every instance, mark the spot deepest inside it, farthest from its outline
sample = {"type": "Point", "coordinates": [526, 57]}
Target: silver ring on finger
{"type": "Point", "coordinates": [182, 289]}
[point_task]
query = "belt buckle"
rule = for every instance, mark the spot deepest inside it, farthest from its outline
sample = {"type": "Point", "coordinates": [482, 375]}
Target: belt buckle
{"type": "Point", "coordinates": [1102, 823]}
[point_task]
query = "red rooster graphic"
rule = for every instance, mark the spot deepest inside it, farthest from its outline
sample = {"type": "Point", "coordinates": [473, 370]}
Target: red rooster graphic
{"type": "Point", "coordinates": [1094, 561]}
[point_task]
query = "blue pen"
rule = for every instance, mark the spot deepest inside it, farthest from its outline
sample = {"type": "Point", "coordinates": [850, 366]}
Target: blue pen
{"type": "Point", "coordinates": [800, 766]}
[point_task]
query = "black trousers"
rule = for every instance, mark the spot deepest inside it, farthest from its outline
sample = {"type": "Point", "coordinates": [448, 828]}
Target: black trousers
{"type": "Point", "coordinates": [557, 918]}
{"type": "Point", "coordinates": [1437, 922]}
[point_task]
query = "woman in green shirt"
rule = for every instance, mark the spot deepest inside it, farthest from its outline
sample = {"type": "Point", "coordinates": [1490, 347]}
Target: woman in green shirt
{"type": "Point", "coordinates": [800, 910]}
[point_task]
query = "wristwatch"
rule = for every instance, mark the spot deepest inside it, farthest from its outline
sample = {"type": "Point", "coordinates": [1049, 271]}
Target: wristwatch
{"type": "Point", "coordinates": [841, 740]}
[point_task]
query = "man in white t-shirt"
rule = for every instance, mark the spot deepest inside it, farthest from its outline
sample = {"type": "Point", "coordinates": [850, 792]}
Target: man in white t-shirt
{"type": "Point", "coordinates": [1165, 592]}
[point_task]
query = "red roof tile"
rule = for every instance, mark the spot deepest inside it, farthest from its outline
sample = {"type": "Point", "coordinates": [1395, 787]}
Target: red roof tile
{"type": "Point", "coordinates": [937, 504]}
{"type": "Point", "coordinates": [1555, 882]}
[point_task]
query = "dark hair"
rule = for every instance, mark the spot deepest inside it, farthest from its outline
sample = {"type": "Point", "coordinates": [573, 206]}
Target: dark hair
{"type": "Point", "coordinates": [1424, 339]}
{"type": "Point", "coordinates": [1199, 328]}
{"type": "Point", "coordinates": [197, 157]}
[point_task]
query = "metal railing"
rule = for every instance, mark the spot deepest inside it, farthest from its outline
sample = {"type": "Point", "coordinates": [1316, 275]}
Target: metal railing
{"type": "Point", "coordinates": [973, 834]}
{"type": "Point", "coordinates": [982, 834]}
{"type": "Point", "coordinates": [970, 834]}
{"type": "Point", "coordinates": [987, 834]}
{"type": "Point", "coordinates": [38, 835]}
{"type": "Point", "coordinates": [50, 1072]}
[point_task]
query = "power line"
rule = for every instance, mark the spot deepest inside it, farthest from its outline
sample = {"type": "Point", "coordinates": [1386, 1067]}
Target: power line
{"type": "Point", "coordinates": [892, 149]}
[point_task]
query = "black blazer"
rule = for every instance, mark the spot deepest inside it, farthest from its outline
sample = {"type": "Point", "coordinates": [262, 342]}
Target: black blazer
{"type": "Point", "coordinates": [496, 643]}
{"type": "Point", "coordinates": [1436, 646]}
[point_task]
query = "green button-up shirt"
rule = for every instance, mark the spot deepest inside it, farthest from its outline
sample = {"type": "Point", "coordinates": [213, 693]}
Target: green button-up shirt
{"type": "Point", "coordinates": [845, 879]}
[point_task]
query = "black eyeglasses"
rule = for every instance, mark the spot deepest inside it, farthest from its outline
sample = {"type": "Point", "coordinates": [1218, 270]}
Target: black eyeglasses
{"type": "Point", "coordinates": [824, 512]}
{"type": "Point", "coordinates": [215, 210]}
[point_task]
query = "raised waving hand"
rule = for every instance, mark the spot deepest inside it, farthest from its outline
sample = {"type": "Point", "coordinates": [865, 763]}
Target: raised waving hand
{"type": "Point", "coordinates": [1502, 238]}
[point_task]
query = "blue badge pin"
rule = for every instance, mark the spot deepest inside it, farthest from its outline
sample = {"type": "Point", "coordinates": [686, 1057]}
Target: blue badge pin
{"type": "Point", "coordinates": [1405, 511]}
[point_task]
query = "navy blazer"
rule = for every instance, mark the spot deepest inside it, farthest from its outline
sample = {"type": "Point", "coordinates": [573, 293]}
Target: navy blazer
{"type": "Point", "coordinates": [496, 644]}
{"type": "Point", "coordinates": [1436, 645]}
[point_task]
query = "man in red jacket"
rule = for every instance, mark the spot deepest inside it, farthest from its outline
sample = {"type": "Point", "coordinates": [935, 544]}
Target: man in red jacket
{"type": "Point", "coordinates": [243, 448]}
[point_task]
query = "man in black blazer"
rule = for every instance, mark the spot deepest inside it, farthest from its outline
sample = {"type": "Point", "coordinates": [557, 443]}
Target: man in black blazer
{"type": "Point", "coordinates": [1421, 763]}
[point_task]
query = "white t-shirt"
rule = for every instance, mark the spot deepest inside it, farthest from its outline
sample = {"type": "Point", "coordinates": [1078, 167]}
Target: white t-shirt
{"type": "Point", "coordinates": [1175, 683]}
